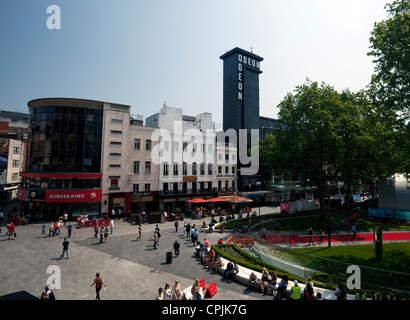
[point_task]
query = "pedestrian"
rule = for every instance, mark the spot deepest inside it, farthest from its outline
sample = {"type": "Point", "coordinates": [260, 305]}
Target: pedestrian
{"type": "Point", "coordinates": [112, 225]}
{"type": "Point", "coordinates": [139, 232]}
{"type": "Point", "coordinates": [155, 239]}
{"type": "Point", "coordinates": [188, 229]}
{"type": "Point", "coordinates": [65, 247]}
{"type": "Point", "coordinates": [105, 234]}
{"type": "Point", "coordinates": [43, 230]}
{"type": "Point", "coordinates": [98, 282]}
{"type": "Point", "coordinates": [206, 244]}
{"type": "Point", "coordinates": [196, 291]}
{"type": "Point", "coordinates": [195, 237]}
{"type": "Point", "coordinates": [95, 231]}
{"type": "Point", "coordinates": [167, 292]}
{"type": "Point", "coordinates": [101, 235]}
{"type": "Point", "coordinates": [12, 230]}
{"type": "Point", "coordinates": [282, 287]}
{"type": "Point", "coordinates": [276, 225]}
{"type": "Point", "coordinates": [295, 291]}
{"type": "Point", "coordinates": [308, 292]}
{"type": "Point", "coordinates": [310, 232]}
{"type": "Point", "coordinates": [112, 213]}
{"type": "Point", "coordinates": [340, 292]}
{"type": "Point", "coordinates": [321, 235]}
{"type": "Point", "coordinates": [51, 229]}
{"type": "Point", "coordinates": [159, 233]}
{"type": "Point", "coordinates": [119, 214]}
{"type": "Point", "coordinates": [176, 224]}
{"type": "Point", "coordinates": [56, 229]}
{"type": "Point", "coordinates": [47, 294]}
{"type": "Point", "coordinates": [176, 247]}
{"type": "Point", "coordinates": [354, 231]}
{"type": "Point", "coordinates": [65, 218]}
{"type": "Point", "coordinates": [176, 291]}
{"type": "Point", "coordinates": [69, 229]}
{"type": "Point", "coordinates": [160, 295]}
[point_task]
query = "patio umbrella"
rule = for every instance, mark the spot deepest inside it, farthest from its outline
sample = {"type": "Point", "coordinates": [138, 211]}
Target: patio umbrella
{"type": "Point", "coordinates": [216, 200]}
{"type": "Point", "coordinates": [237, 199]}
{"type": "Point", "coordinates": [197, 200]}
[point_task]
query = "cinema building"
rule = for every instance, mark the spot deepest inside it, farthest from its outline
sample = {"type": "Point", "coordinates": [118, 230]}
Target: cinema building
{"type": "Point", "coordinates": [80, 159]}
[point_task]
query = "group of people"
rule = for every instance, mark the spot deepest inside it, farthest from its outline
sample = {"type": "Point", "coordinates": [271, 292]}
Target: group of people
{"type": "Point", "coordinates": [167, 293]}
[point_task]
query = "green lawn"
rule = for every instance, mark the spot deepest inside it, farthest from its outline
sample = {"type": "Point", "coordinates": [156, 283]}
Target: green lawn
{"type": "Point", "coordinates": [396, 256]}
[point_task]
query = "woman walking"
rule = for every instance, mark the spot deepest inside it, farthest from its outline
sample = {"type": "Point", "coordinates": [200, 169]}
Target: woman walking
{"type": "Point", "coordinates": [98, 282]}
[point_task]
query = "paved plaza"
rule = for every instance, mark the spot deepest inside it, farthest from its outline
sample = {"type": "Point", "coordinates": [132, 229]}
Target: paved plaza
{"type": "Point", "coordinates": [131, 269]}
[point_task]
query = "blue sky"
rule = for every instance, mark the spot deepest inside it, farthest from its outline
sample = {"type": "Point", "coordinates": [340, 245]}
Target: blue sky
{"type": "Point", "coordinates": [145, 52]}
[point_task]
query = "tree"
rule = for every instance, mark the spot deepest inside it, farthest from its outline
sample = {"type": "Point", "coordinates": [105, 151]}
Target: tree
{"type": "Point", "coordinates": [390, 45]}
{"type": "Point", "coordinates": [305, 142]}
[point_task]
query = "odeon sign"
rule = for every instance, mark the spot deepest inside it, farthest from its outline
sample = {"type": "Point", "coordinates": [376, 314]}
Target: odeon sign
{"type": "Point", "coordinates": [244, 60]}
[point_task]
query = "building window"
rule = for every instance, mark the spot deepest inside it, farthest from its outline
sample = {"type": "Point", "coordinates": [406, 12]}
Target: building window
{"type": "Point", "coordinates": [219, 169]}
{"type": "Point", "coordinates": [116, 131]}
{"type": "Point", "coordinates": [135, 187]}
{"type": "Point", "coordinates": [116, 120]}
{"type": "Point", "coordinates": [194, 169]}
{"type": "Point", "coordinates": [115, 154]}
{"type": "Point", "coordinates": [115, 166]}
{"type": "Point", "coordinates": [16, 150]}
{"type": "Point", "coordinates": [137, 144]}
{"type": "Point", "coordinates": [202, 169]}
{"type": "Point", "coordinates": [184, 169]}
{"type": "Point", "coordinates": [116, 142]}
{"type": "Point", "coordinates": [136, 167]}
{"type": "Point", "coordinates": [185, 146]}
{"type": "Point", "coordinates": [233, 170]}
{"type": "Point", "coordinates": [226, 169]}
{"type": "Point", "coordinates": [165, 171]}
{"type": "Point", "coordinates": [148, 144]}
{"type": "Point", "coordinates": [14, 176]}
{"type": "Point", "coordinates": [147, 167]}
{"type": "Point", "coordinates": [15, 163]}
{"type": "Point", "coordinates": [147, 187]}
{"type": "Point", "coordinates": [209, 168]}
{"type": "Point", "coordinates": [175, 169]}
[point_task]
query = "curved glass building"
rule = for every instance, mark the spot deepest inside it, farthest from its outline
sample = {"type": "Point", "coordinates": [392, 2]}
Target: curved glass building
{"type": "Point", "coordinates": [63, 158]}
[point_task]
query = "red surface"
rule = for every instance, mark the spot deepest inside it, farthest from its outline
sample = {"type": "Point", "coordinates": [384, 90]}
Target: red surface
{"type": "Point", "coordinates": [387, 236]}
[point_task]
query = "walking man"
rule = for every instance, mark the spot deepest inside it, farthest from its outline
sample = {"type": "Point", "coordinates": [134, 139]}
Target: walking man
{"type": "Point", "coordinates": [112, 225]}
{"type": "Point", "coordinates": [65, 247]}
{"type": "Point", "coordinates": [310, 231]}
{"type": "Point", "coordinates": [155, 239]}
{"type": "Point", "coordinates": [69, 229]}
{"type": "Point", "coordinates": [95, 231]}
{"type": "Point", "coordinates": [176, 224]}
{"type": "Point", "coordinates": [176, 247]}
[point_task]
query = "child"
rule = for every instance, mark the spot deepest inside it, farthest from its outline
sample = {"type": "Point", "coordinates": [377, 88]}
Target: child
{"type": "Point", "coordinates": [43, 230]}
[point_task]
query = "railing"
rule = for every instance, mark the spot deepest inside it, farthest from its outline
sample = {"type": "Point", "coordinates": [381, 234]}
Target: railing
{"type": "Point", "coordinates": [399, 281]}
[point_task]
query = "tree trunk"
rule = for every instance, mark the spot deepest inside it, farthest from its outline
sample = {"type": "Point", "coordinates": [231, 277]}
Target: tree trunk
{"type": "Point", "coordinates": [322, 205]}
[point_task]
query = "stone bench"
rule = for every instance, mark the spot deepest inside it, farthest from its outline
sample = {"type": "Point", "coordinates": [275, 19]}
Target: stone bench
{"type": "Point", "coordinates": [244, 273]}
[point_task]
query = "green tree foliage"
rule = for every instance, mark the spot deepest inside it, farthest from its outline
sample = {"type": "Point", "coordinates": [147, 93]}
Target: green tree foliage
{"type": "Point", "coordinates": [389, 89]}
{"type": "Point", "coordinates": [390, 45]}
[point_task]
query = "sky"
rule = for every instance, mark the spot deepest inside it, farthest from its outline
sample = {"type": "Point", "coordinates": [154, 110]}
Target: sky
{"type": "Point", "coordinates": [146, 52]}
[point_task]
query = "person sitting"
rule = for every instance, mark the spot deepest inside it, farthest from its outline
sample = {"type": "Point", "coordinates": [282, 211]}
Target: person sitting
{"type": "Point", "coordinates": [215, 264]}
{"type": "Point", "coordinates": [233, 272]}
{"type": "Point", "coordinates": [253, 281]}
{"type": "Point", "coordinates": [264, 279]}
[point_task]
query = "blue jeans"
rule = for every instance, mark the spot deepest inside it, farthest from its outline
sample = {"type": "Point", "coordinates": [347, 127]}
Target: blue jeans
{"type": "Point", "coordinates": [64, 250]}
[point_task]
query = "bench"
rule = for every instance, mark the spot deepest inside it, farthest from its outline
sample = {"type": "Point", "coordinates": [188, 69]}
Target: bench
{"type": "Point", "coordinates": [244, 273]}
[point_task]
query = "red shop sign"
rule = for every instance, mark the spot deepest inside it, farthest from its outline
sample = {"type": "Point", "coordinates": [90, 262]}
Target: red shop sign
{"type": "Point", "coordinates": [73, 195]}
